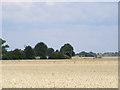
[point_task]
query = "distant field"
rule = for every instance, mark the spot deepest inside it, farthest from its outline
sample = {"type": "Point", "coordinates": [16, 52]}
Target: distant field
{"type": "Point", "coordinates": [73, 73]}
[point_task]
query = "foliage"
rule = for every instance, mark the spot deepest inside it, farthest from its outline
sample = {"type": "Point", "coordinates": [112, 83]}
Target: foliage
{"type": "Point", "coordinates": [3, 48]}
{"type": "Point", "coordinates": [109, 54]}
{"type": "Point", "coordinates": [73, 53]}
{"type": "Point", "coordinates": [57, 51]}
{"type": "Point", "coordinates": [50, 51]}
{"type": "Point", "coordinates": [67, 49]}
{"type": "Point", "coordinates": [41, 50]}
{"type": "Point", "coordinates": [86, 54]}
{"type": "Point", "coordinates": [43, 57]}
{"type": "Point", "coordinates": [58, 55]}
{"type": "Point", "coordinates": [29, 52]}
{"type": "Point", "coordinates": [15, 54]}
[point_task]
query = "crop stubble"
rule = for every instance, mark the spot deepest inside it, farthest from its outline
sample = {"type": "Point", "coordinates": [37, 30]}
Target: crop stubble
{"type": "Point", "coordinates": [75, 73]}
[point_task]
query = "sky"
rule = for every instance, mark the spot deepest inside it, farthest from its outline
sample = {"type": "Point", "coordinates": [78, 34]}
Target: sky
{"type": "Point", "coordinates": [87, 26]}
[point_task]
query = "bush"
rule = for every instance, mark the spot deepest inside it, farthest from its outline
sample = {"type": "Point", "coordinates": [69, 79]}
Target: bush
{"type": "Point", "coordinates": [66, 57]}
{"type": "Point", "coordinates": [43, 57]}
{"type": "Point", "coordinates": [14, 55]}
{"type": "Point", "coordinates": [87, 54]}
{"type": "Point", "coordinates": [54, 55]}
{"type": "Point", "coordinates": [58, 55]}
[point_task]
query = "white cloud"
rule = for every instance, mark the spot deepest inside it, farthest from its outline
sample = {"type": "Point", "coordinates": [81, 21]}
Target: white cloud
{"type": "Point", "coordinates": [89, 38]}
{"type": "Point", "coordinates": [60, 0]}
{"type": "Point", "coordinates": [23, 5]}
{"type": "Point", "coordinates": [84, 25]}
{"type": "Point", "coordinates": [0, 20]}
{"type": "Point", "coordinates": [50, 3]}
{"type": "Point", "coordinates": [59, 12]}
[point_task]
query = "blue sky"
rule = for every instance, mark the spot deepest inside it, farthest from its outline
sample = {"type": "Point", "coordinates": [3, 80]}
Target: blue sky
{"type": "Point", "coordinates": [87, 26]}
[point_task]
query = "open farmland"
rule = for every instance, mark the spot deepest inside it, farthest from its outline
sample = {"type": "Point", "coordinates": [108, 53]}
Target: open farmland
{"type": "Point", "coordinates": [73, 73]}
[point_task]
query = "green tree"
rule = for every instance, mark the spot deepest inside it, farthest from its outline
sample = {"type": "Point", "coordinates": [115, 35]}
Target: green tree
{"type": "Point", "coordinates": [67, 49]}
{"type": "Point", "coordinates": [3, 47]}
{"type": "Point", "coordinates": [87, 54]}
{"type": "Point", "coordinates": [58, 55]}
{"type": "Point", "coordinates": [8, 56]}
{"type": "Point", "coordinates": [29, 52]}
{"type": "Point", "coordinates": [15, 54]}
{"type": "Point", "coordinates": [49, 51]}
{"type": "Point", "coordinates": [73, 53]}
{"type": "Point", "coordinates": [41, 50]}
{"type": "Point", "coordinates": [57, 51]}
{"type": "Point", "coordinates": [82, 54]}
{"type": "Point", "coordinates": [18, 54]}
{"type": "Point", "coordinates": [53, 55]}
{"type": "Point", "coordinates": [92, 54]}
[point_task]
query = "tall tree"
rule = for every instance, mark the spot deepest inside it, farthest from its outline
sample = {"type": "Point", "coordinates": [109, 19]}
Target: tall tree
{"type": "Point", "coordinates": [50, 51]}
{"type": "Point", "coordinates": [67, 49]}
{"type": "Point", "coordinates": [3, 48]}
{"type": "Point", "coordinates": [41, 50]}
{"type": "Point", "coordinates": [29, 52]}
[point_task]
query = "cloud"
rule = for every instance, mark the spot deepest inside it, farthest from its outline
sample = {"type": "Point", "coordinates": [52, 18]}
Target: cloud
{"type": "Point", "coordinates": [0, 20]}
{"type": "Point", "coordinates": [32, 12]}
{"type": "Point", "coordinates": [22, 5]}
{"type": "Point", "coordinates": [87, 26]}
{"type": "Point", "coordinates": [89, 38]}
{"type": "Point", "coordinates": [50, 3]}
{"type": "Point", "coordinates": [60, 0]}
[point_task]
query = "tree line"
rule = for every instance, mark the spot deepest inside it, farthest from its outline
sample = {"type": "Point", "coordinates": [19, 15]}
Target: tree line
{"type": "Point", "coordinates": [109, 54]}
{"type": "Point", "coordinates": [87, 54]}
{"type": "Point", "coordinates": [40, 50]}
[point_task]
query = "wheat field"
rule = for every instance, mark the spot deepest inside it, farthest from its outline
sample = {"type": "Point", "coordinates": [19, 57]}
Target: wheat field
{"type": "Point", "coordinates": [73, 73]}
